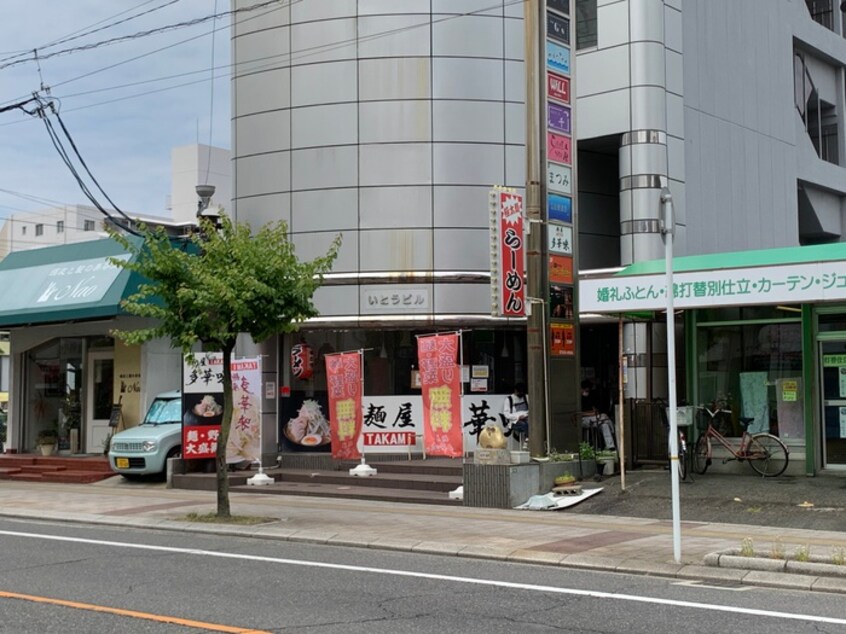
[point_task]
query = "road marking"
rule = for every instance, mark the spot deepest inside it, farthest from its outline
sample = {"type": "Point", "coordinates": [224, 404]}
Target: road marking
{"type": "Point", "coordinates": [594, 594]}
{"type": "Point", "coordinates": [695, 583]}
{"type": "Point", "coordinates": [200, 625]}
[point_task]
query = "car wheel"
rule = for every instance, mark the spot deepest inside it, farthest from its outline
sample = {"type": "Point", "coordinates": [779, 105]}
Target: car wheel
{"type": "Point", "coordinates": [175, 452]}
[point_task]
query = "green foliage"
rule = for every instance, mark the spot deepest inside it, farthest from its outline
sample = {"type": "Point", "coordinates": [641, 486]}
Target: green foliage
{"type": "Point", "coordinates": [777, 549]}
{"type": "Point", "coordinates": [803, 553]}
{"type": "Point", "coordinates": [586, 451]}
{"type": "Point", "coordinates": [221, 283]}
{"type": "Point", "coordinates": [747, 547]}
{"type": "Point", "coordinates": [47, 437]}
{"type": "Point", "coordinates": [838, 556]}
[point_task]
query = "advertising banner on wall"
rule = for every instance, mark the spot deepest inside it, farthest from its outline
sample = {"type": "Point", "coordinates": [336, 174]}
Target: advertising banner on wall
{"type": "Point", "coordinates": [343, 382]}
{"type": "Point", "coordinates": [440, 380]}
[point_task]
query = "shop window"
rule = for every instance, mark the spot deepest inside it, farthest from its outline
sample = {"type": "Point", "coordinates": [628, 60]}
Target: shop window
{"type": "Point", "coordinates": [833, 323]}
{"type": "Point", "coordinates": [746, 366]}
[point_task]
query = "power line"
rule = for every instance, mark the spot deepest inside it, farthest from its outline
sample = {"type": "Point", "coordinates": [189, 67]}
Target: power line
{"type": "Point", "coordinates": [140, 34]}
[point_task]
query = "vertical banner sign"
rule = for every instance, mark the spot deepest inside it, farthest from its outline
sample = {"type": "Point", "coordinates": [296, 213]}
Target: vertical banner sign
{"type": "Point", "coordinates": [440, 382]}
{"type": "Point", "coordinates": [245, 433]}
{"type": "Point", "coordinates": [560, 186]}
{"type": "Point", "coordinates": [511, 251]}
{"type": "Point", "coordinates": [202, 405]}
{"type": "Point", "coordinates": [343, 380]}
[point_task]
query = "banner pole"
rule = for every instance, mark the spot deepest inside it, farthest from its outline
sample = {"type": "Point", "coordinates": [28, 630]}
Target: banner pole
{"type": "Point", "coordinates": [363, 469]}
{"type": "Point", "coordinates": [261, 478]}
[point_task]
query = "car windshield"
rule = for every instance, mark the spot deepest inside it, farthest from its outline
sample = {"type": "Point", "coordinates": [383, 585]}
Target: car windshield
{"type": "Point", "coordinates": [164, 411]}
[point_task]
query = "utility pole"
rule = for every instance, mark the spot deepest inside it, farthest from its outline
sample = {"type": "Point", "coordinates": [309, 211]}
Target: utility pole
{"type": "Point", "coordinates": [535, 286]}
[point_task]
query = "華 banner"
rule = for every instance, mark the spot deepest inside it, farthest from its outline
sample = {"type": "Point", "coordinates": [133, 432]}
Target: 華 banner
{"type": "Point", "coordinates": [245, 433]}
{"type": "Point", "coordinates": [343, 382]}
{"type": "Point", "coordinates": [440, 381]}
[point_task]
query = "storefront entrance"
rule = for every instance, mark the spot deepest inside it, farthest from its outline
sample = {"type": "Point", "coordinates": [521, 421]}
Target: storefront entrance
{"type": "Point", "coordinates": [833, 399]}
{"type": "Point", "coordinates": [100, 392]}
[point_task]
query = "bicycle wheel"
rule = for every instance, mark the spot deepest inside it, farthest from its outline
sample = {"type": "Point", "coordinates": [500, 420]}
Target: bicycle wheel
{"type": "Point", "coordinates": [767, 455]}
{"type": "Point", "coordinates": [702, 455]}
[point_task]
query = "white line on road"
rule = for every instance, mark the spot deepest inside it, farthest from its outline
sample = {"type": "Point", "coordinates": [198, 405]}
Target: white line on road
{"type": "Point", "coordinates": [425, 575]}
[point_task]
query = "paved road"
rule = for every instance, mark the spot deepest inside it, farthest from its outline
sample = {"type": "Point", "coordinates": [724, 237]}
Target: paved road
{"type": "Point", "coordinates": [225, 584]}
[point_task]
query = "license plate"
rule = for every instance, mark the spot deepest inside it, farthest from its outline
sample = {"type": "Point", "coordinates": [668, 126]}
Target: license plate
{"type": "Point", "coordinates": [122, 463]}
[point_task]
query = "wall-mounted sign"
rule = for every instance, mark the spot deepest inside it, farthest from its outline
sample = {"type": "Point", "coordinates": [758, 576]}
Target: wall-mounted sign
{"type": "Point", "coordinates": [508, 253]}
{"type": "Point", "coordinates": [557, 57]}
{"type": "Point", "coordinates": [558, 118]}
{"type": "Point", "coordinates": [395, 299]}
{"type": "Point", "coordinates": [559, 178]}
{"type": "Point", "coordinates": [559, 208]}
{"type": "Point", "coordinates": [560, 239]}
{"type": "Point", "coordinates": [563, 340]}
{"type": "Point", "coordinates": [558, 87]}
{"type": "Point", "coordinates": [558, 28]}
{"type": "Point", "coordinates": [558, 148]}
{"type": "Point", "coordinates": [560, 269]}
{"type": "Point", "coordinates": [787, 284]}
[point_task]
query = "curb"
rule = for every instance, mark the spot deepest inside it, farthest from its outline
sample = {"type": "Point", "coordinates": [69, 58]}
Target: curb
{"type": "Point", "coordinates": [722, 566]}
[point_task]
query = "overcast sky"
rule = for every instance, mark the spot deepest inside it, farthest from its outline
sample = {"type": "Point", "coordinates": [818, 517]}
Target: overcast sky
{"type": "Point", "coordinates": [123, 128]}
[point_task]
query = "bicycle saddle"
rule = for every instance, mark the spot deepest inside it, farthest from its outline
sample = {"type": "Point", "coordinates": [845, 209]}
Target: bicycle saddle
{"type": "Point", "coordinates": [745, 420]}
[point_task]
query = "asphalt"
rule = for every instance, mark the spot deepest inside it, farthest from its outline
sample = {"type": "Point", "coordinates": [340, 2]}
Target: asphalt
{"type": "Point", "coordinates": [615, 530]}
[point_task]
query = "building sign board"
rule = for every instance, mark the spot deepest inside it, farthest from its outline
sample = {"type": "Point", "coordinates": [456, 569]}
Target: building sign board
{"type": "Point", "coordinates": [560, 208]}
{"type": "Point", "coordinates": [560, 239]}
{"type": "Point", "coordinates": [377, 300]}
{"type": "Point", "coordinates": [559, 178]}
{"type": "Point", "coordinates": [558, 118]}
{"type": "Point", "coordinates": [558, 148]}
{"type": "Point", "coordinates": [558, 87]}
{"type": "Point", "coordinates": [558, 28]}
{"type": "Point", "coordinates": [557, 57]}
{"type": "Point", "coordinates": [808, 282]}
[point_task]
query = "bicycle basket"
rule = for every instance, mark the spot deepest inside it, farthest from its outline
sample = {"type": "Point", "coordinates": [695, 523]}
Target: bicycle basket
{"type": "Point", "coordinates": [684, 415]}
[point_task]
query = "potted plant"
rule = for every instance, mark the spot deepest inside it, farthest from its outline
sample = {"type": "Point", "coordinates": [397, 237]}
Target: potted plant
{"type": "Point", "coordinates": [607, 459]}
{"type": "Point", "coordinates": [46, 440]}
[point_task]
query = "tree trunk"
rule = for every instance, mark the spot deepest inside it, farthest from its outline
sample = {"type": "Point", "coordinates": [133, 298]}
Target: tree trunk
{"type": "Point", "coordinates": [225, 425]}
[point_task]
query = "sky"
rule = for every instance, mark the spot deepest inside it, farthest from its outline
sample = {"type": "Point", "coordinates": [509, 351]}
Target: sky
{"type": "Point", "coordinates": [126, 105]}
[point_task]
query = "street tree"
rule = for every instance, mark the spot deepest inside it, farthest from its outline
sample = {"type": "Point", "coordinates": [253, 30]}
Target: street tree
{"type": "Point", "coordinates": [221, 281]}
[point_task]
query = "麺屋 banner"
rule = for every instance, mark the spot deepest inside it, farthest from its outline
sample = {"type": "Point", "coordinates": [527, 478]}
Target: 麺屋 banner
{"type": "Point", "coordinates": [440, 382]}
{"type": "Point", "coordinates": [343, 380]}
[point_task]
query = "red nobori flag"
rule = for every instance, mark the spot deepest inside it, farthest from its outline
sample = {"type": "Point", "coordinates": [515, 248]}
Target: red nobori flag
{"type": "Point", "coordinates": [343, 379]}
{"type": "Point", "coordinates": [512, 292]}
{"type": "Point", "coordinates": [440, 381]}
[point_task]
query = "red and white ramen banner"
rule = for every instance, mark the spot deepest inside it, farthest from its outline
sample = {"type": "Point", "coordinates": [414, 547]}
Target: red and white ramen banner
{"type": "Point", "coordinates": [440, 381]}
{"type": "Point", "coordinates": [343, 379]}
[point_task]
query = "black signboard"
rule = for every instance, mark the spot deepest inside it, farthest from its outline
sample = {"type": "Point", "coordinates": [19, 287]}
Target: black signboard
{"type": "Point", "coordinates": [558, 28]}
{"type": "Point", "coordinates": [562, 6]}
{"type": "Point", "coordinates": [114, 418]}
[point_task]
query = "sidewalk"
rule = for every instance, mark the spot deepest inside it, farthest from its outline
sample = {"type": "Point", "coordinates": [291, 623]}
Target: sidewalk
{"type": "Point", "coordinates": [571, 538]}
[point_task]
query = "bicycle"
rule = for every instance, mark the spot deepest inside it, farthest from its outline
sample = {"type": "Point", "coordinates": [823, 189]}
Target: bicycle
{"type": "Point", "coordinates": [765, 453]}
{"type": "Point", "coordinates": [684, 461]}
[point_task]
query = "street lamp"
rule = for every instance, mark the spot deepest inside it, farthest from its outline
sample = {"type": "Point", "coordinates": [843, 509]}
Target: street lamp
{"type": "Point", "coordinates": [205, 193]}
{"type": "Point", "coordinates": [667, 229]}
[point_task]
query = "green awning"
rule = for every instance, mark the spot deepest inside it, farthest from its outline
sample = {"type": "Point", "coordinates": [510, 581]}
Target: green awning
{"type": "Point", "coordinates": [69, 282]}
{"type": "Point", "coordinates": [792, 275]}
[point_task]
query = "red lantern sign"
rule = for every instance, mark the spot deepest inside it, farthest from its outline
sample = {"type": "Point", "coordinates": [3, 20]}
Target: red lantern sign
{"type": "Point", "coordinates": [302, 361]}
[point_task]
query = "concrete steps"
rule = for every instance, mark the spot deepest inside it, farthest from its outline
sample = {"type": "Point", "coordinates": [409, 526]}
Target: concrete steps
{"type": "Point", "coordinates": [421, 482]}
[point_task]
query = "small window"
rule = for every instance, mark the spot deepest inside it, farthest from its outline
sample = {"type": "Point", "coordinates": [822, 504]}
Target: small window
{"type": "Point", "coordinates": [39, 230]}
{"type": "Point", "coordinates": [60, 226]}
{"type": "Point", "coordinates": [23, 230]}
{"type": "Point", "coordinates": [586, 24]}
{"type": "Point", "coordinates": [88, 225]}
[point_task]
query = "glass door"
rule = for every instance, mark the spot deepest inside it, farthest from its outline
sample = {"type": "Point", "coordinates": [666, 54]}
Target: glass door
{"type": "Point", "coordinates": [833, 399]}
{"type": "Point", "coordinates": [100, 393]}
